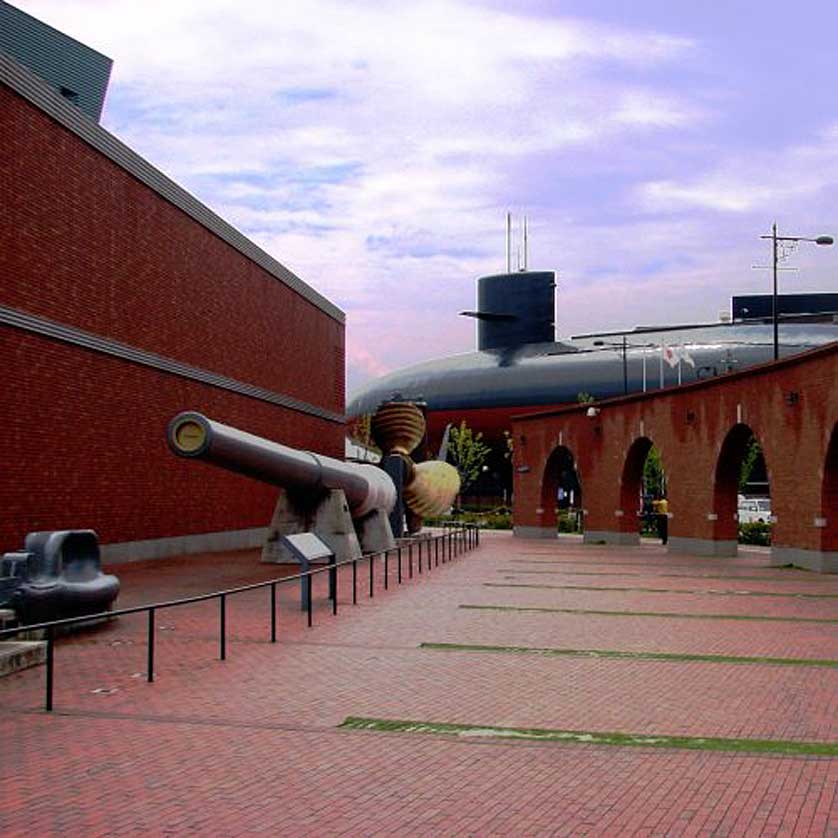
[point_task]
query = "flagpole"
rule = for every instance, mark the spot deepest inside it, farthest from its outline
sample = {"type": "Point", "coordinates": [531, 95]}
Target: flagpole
{"type": "Point", "coordinates": [644, 370]}
{"type": "Point", "coordinates": [661, 359]}
{"type": "Point", "coordinates": [679, 370]}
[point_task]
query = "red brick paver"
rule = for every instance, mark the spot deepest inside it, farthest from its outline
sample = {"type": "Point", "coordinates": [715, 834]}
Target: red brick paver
{"type": "Point", "coordinates": [251, 744]}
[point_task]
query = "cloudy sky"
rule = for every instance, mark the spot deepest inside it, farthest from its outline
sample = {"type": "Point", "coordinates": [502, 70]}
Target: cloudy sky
{"type": "Point", "coordinates": [375, 147]}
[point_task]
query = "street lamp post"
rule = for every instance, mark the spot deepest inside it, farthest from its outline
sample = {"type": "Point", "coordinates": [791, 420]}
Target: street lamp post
{"type": "Point", "coordinates": [623, 347]}
{"type": "Point", "coordinates": [823, 240]}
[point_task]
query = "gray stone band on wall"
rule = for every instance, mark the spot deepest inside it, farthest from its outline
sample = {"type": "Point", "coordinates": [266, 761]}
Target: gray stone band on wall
{"type": "Point", "coordinates": [179, 545]}
{"type": "Point", "coordinates": [627, 539]}
{"type": "Point", "coordinates": [40, 94]}
{"type": "Point", "coordinates": [535, 532]}
{"type": "Point", "coordinates": [821, 561]}
{"type": "Point", "coordinates": [703, 546]}
{"type": "Point", "coordinates": [70, 334]}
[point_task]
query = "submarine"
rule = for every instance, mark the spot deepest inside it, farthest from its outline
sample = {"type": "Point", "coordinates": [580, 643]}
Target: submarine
{"type": "Point", "coordinates": [520, 367]}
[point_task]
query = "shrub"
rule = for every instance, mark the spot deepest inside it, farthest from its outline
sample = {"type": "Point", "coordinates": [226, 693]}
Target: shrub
{"type": "Point", "coordinates": [494, 519]}
{"type": "Point", "coordinates": [755, 533]}
{"type": "Point", "coordinates": [569, 521]}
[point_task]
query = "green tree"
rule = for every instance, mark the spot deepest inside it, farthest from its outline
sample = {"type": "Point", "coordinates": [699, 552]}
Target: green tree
{"type": "Point", "coordinates": [654, 479]}
{"type": "Point", "coordinates": [584, 398]}
{"type": "Point", "coordinates": [753, 454]}
{"type": "Point", "coordinates": [467, 452]}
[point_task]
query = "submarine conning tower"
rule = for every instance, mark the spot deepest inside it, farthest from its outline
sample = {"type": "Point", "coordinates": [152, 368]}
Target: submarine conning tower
{"type": "Point", "coordinates": [514, 309]}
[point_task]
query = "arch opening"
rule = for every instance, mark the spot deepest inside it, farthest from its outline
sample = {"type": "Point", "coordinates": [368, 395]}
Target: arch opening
{"type": "Point", "coordinates": [642, 489]}
{"type": "Point", "coordinates": [742, 490]}
{"type": "Point", "coordinates": [561, 492]}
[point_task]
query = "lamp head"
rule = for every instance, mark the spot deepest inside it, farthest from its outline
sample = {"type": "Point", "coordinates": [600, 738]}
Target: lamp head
{"type": "Point", "coordinates": [824, 240]}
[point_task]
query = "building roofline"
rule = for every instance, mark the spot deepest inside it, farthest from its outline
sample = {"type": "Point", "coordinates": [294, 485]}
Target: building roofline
{"type": "Point", "coordinates": [38, 22]}
{"type": "Point", "coordinates": [36, 91]}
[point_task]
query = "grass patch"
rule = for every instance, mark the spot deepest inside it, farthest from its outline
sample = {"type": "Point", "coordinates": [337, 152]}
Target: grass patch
{"type": "Point", "coordinates": [654, 590]}
{"type": "Point", "coordinates": [754, 746]}
{"type": "Point", "coordinates": [619, 655]}
{"type": "Point", "coordinates": [670, 614]}
{"type": "Point", "coordinates": [647, 574]}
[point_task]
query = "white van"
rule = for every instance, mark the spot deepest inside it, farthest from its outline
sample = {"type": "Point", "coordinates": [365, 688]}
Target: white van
{"type": "Point", "coordinates": [752, 510]}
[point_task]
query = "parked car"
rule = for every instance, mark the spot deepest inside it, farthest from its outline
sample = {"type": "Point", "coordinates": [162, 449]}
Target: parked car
{"type": "Point", "coordinates": [752, 510]}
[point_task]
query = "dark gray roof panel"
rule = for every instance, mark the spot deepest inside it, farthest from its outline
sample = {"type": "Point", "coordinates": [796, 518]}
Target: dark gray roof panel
{"type": "Point", "coordinates": [73, 69]}
{"type": "Point", "coordinates": [40, 94]}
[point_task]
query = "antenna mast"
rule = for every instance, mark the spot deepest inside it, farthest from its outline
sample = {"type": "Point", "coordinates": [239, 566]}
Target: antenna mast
{"type": "Point", "coordinates": [525, 243]}
{"type": "Point", "coordinates": [508, 242]}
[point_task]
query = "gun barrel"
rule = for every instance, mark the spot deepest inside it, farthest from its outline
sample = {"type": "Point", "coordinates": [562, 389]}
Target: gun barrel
{"type": "Point", "coordinates": [366, 487]}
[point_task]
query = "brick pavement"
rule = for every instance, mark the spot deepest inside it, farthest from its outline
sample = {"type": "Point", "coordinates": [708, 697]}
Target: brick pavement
{"type": "Point", "coordinates": [252, 745]}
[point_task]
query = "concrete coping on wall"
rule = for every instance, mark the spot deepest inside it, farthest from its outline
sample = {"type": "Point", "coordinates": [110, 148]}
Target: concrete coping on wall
{"type": "Point", "coordinates": [40, 94]}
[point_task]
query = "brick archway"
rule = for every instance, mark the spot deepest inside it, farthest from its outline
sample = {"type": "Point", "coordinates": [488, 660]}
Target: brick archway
{"type": "Point", "coordinates": [557, 465]}
{"type": "Point", "coordinates": [559, 471]}
{"type": "Point", "coordinates": [702, 430]}
{"type": "Point", "coordinates": [631, 480]}
{"type": "Point", "coordinates": [726, 487]}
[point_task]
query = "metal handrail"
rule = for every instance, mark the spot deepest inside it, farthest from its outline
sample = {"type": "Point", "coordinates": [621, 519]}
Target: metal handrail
{"type": "Point", "coordinates": [455, 540]}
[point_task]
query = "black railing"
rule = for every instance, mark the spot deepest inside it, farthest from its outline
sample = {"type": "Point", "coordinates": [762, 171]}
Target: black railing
{"type": "Point", "coordinates": [455, 540]}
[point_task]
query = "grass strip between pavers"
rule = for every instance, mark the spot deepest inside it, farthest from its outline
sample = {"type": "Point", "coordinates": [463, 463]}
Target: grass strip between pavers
{"type": "Point", "coordinates": [651, 565]}
{"type": "Point", "coordinates": [620, 655]}
{"type": "Point", "coordinates": [591, 737]}
{"type": "Point", "coordinates": [671, 614]}
{"type": "Point", "coordinates": [732, 577]}
{"type": "Point", "coordinates": [709, 592]}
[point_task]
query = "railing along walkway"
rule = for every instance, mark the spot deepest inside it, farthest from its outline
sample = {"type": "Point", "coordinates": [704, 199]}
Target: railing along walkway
{"type": "Point", "coordinates": [421, 552]}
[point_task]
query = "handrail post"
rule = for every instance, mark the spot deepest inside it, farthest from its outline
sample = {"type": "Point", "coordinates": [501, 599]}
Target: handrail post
{"type": "Point", "coordinates": [399, 561]}
{"type": "Point", "coordinates": [308, 598]}
{"type": "Point", "coordinates": [334, 573]}
{"type": "Point", "coordinates": [386, 570]}
{"type": "Point", "coordinates": [410, 560]}
{"type": "Point", "coordinates": [354, 581]}
{"type": "Point", "coordinates": [50, 666]}
{"type": "Point", "coordinates": [372, 574]}
{"type": "Point", "coordinates": [420, 555]}
{"type": "Point", "coordinates": [273, 612]}
{"type": "Point", "coordinates": [223, 639]}
{"type": "Point", "coordinates": [150, 675]}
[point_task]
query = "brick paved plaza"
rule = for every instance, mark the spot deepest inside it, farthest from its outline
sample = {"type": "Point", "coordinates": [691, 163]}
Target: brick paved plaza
{"type": "Point", "coordinates": [587, 641]}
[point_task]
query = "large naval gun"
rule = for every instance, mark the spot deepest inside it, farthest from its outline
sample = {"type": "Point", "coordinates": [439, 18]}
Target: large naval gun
{"type": "Point", "coordinates": [353, 508]}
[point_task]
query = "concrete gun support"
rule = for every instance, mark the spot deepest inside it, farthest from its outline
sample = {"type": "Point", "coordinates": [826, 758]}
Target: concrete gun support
{"type": "Point", "coordinates": [344, 504]}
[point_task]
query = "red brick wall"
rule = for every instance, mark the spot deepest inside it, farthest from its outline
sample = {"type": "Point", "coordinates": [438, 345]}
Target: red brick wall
{"type": "Point", "coordinates": [85, 243]}
{"type": "Point", "coordinates": [82, 435]}
{"type": "Point", "coordinates": [688, 425]}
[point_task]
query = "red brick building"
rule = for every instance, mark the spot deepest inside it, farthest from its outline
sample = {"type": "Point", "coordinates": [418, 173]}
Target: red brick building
{"type": "Point", "coordinates": [124, 300]}
{"type": "Point", "coordinates": [701, 431]}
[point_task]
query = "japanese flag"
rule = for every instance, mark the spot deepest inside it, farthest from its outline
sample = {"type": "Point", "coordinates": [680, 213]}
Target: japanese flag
{"type": "Point", "coordinates": [670, 355]}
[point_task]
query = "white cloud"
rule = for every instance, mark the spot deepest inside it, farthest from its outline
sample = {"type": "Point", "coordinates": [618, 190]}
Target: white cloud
{"type": "Point", "coordinates": [317, 126]}
{"type": "Point", "coordinates": [789, 178]}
